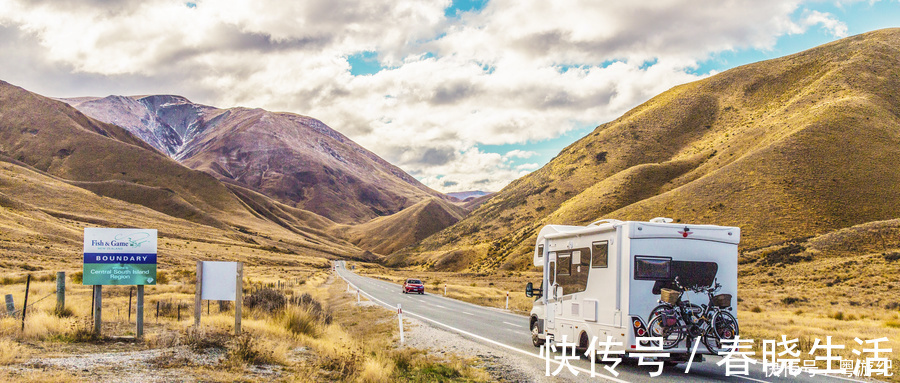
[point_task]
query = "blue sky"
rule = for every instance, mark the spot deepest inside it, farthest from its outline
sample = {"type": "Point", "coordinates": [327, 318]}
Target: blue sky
{"type": "Point", "coordinates": [463, 95]}
{"type": "Point", "coordinates": [859, 17]}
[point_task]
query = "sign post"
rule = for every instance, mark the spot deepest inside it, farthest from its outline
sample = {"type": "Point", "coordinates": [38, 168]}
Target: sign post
{"type": "Point", "coordinates": [140, 312]}
{"type": "Point", "coordinates": [119, 257]}
{"type": "Point", "coordinates": [98, 316]}
{"type": "Point", "coordinates": [198, 297]}
{"type": "Point", "coordinates": [220, 281]}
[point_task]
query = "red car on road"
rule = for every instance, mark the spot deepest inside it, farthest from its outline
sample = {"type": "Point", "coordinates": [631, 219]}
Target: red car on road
{"type": "Point", "coordinates": [413, 286]}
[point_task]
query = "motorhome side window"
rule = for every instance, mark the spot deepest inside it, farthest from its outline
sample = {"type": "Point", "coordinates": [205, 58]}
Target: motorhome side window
{"type": "Point", "coordinates": [572, 270]}
{"type": "Point", "coordinates": [652, 268]}
{"type": "Point", "coordinates": [563, 264]}
{"type": "Point", "coordinates": [600, 254]}
{"type": "Point", "coordinates": [540, 251]}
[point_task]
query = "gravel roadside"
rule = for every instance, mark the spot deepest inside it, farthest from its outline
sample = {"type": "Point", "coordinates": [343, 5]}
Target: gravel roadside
{"type": "Point", "coordinates": [503, 365]}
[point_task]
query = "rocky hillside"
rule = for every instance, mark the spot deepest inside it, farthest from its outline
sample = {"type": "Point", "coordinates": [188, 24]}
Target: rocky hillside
{"type": "Point", "coordinates": [786, 148]}
{"type": "Point", "coordinates": [61, 171]}
{"type": "Point", "coordinates": [295, 159]}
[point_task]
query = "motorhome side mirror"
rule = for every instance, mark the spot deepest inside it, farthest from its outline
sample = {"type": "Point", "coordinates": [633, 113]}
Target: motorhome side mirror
{"type": "Point", "coordinates": [529, 290]}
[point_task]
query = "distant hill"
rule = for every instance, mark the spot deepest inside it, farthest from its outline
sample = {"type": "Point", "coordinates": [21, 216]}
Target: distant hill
{"type": "Point", "coordinates": [787, 148]}
{"type": "Point", "coordinates": [295, 159]}
{"type": "Point", "coordinates": [61, 171]}
{"type": "Point", "coordinates": [386, 235]}
{"type": "Point", "coordinates": [463, 196]}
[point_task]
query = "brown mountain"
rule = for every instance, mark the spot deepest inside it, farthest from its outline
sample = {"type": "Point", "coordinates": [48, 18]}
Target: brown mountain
{"type": "Point", "coordinates": [385, 235]}
{"type": "Point", "coordinates": [786, 148]}
{"type": "Point", "coordinates": [63, 171]}
{"type": "Point", "coordinates": [296, 159]}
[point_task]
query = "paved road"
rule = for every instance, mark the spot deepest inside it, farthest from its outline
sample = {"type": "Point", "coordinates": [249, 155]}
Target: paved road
{"type": "Point", "coordinates": [510, 331]}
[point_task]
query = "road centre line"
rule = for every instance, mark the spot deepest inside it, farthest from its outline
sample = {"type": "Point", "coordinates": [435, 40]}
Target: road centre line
{"type": "Point", "coordinates": [467, 313]}
{"type": "Point", "coordinates": [513, 324]}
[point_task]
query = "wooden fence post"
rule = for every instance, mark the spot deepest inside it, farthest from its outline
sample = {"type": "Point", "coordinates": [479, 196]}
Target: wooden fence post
{"type": "Point", "coordinates": [25, 305]}
{"type": "Point", "coordinates": [10, 304]}
{"type": "Point", "coordinates": [60, 292]}
{"type": "Point", "coordinates": [130, 294]}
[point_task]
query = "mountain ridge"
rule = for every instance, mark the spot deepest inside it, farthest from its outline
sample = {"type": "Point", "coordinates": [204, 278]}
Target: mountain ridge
{"type": "Point", "coordinates": [296, 159]}
{"type": "Point", "coordinates": [784, 148]}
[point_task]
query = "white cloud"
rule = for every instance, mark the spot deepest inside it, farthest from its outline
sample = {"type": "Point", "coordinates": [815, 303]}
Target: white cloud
{"type": "Point", "coordinates": [519, 154]}
{"type": "Point", "coordinates": [518, 71]}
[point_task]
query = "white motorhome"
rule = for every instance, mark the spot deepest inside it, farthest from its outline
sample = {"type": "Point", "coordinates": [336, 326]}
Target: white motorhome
{"type": "Point", "coordinates": [605, 278]}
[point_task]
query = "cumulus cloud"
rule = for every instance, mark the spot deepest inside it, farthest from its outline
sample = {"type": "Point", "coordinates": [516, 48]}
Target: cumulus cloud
{"type": "Point", "coordinates": [520, 154]}
{"type": "Point", "coordinates": [517, 71]}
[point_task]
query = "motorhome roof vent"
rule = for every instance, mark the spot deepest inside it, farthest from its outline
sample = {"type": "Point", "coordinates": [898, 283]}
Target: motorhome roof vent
{"type": "Point", "coordinates": [661, 220]}
{"type": "Point", "coordinates": [602, 221]}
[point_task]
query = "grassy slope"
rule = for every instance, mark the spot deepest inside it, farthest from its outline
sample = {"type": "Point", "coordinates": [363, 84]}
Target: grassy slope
{"type": "Point", "coordinates": [780, 148]}
{"type": "Point", "coordinates": [384, 235]}
{"type": "Point", "coordinates": [62, 171]}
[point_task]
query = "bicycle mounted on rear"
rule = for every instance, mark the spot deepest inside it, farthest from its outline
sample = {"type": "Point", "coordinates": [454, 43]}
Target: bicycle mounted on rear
{"type": "Point", "coordinates": [676, 319]}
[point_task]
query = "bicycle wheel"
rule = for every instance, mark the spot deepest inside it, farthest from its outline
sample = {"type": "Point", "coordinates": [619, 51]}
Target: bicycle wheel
{"type": "Point", "coordinates": [723, 327]}
{"type": "Point", "coordinates": [670, 335]}
{"type": "Point", "coordinates": [656, 310]}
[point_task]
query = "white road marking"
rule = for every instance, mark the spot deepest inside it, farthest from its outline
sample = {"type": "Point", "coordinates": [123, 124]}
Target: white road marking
{"type": "Point", "coordinates": [467, 313]}
{"type": "Point", "coordinates": [440, 306]}
{"type": "Point", "coordinates": [513, 324]}
{"type": "Point", "coordinates": [749, 378]}
{"type": "Point", "coordinates": [511, 348]}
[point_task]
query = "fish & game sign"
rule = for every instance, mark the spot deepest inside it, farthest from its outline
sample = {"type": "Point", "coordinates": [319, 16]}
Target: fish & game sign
{"type": "Point", "coordinates": [119, 256]}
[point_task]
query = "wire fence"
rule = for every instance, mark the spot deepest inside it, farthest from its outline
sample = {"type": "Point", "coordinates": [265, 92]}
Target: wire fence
{"type": "Point", "coordinates": [18, 313]}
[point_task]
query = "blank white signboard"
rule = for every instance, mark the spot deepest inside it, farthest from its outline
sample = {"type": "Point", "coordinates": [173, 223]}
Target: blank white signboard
{"type": "Point", "coordinates": [218, 281]}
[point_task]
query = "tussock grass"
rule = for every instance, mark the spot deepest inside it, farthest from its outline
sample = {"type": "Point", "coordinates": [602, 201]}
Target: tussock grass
{"type": "Point", "coordinates": [11, 352]}
{"type": "Point", "coordinates": [319, 334]}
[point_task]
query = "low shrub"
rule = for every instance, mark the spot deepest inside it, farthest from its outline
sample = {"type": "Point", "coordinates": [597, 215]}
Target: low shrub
{"type": "Point", "coordinates": [792, 300]}
{"type": "Point", "coordinates": [785, 255]}
{"type": "Point", "coordinates": [244, 349]}
{"type": "Point", "coordinates": [265, 300]}
{"type": "Point", "coordinates": [200, 340]}
{"type": "Point", "coordinates": [300, 321]}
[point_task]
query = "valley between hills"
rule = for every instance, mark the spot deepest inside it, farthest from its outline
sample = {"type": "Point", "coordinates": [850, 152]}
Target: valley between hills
{"type": "Point", "coordinates": [800, 152]}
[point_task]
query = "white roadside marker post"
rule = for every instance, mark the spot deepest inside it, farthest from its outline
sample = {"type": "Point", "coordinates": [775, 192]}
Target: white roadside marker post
{"type": "Point", "coordinates": [507, 300]}
{"type": "Point", "coordinates": [357, 295]}
{"type": "Point", "coordinates": [400, 318]}
{"type": "Point", "coordinates": [445, 289]}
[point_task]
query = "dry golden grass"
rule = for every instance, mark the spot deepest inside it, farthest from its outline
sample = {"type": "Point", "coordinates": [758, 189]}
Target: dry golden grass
{"type": "Point", "coordinates": [12, 352]}
{"type": "Point", "coordinates": [359, 343]}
